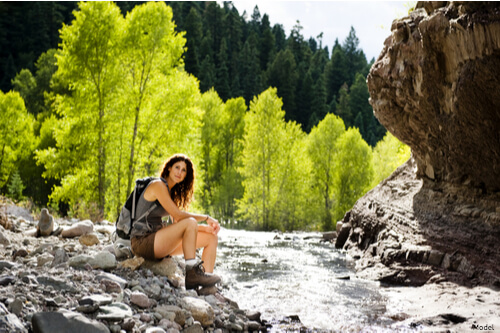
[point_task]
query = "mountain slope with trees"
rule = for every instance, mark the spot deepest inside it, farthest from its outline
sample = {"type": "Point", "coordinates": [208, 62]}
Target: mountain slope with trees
{"type": "Point", "coordinates": [131, 83]}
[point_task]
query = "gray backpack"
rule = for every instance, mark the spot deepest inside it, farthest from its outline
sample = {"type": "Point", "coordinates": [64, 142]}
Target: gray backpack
{"type": "Point", "coordinates": [127, 216]}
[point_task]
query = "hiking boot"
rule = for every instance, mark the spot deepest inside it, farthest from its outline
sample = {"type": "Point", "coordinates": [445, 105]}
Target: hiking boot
{"type": "Point", "coordinates": [196, 276]}
{"type": "Point", "coordinates": [205, 291]}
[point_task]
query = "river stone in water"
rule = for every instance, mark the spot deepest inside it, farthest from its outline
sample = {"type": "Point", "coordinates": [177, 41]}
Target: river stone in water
{"type": "Point", "coordinates": [50, 322]}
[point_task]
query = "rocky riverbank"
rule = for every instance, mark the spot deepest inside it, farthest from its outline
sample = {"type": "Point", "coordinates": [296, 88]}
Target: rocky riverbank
{"type": "Point", "coordinates": [433, 226]}
{"type": "Point", "coordinates": [73, 280]}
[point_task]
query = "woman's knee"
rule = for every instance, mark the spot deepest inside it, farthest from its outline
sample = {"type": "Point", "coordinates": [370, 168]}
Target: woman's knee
{"type": "Point", "coordinates": [190, 223]}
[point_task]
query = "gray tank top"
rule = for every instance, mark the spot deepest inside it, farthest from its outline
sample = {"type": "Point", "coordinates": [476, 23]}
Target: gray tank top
{"type": "Point", "coordinates": [151, 222]}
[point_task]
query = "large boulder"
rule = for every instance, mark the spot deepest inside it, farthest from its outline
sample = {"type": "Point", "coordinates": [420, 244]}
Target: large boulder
{"type": "Point", "coordinates": [436, 87]}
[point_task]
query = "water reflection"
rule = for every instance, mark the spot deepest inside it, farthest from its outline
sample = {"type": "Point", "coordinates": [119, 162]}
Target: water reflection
{"type": "Point", "coordinates": [291, 275]}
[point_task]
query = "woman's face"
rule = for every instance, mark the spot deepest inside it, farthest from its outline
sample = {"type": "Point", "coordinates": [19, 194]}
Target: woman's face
{"type": "Point", "coordinates": [177, 172]}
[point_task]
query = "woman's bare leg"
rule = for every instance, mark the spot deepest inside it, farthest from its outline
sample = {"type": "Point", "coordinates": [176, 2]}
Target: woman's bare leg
{"type": "Point", "coordinates": [182, 234]}
{"type": "Point", "coordinates": [209, 244]}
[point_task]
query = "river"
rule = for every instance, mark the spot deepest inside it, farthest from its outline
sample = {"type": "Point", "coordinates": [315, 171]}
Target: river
{"type": "Point", "coordinates": [294, 274]}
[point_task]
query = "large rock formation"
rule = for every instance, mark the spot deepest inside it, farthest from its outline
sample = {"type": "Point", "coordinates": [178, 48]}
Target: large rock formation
{"type": "Point", "coordinates": [436, 87]}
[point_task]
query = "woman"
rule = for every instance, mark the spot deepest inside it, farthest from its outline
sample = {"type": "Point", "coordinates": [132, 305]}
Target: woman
{"type": "Point", "coordinates": [152, 239]}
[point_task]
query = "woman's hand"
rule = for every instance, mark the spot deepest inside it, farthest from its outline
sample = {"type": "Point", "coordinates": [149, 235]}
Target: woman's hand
{"type": "Point", "coordinates": [213, 226]}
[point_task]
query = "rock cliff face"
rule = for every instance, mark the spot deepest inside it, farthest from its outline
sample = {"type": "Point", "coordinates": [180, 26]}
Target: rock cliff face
{"type": "Point", "coordinates": [436, 87]}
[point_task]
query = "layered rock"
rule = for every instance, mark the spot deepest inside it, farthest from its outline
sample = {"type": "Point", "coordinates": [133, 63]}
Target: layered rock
{"type": "Point", "coordinates": [436, 87]}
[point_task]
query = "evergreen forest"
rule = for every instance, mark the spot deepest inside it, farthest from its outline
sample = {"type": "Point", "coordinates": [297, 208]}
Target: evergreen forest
{"type": "Point", "coordinates": [94, 95]}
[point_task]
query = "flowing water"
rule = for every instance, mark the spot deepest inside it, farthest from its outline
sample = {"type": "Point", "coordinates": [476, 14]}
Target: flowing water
{"type": "Point", "coordinates": [294, 274]}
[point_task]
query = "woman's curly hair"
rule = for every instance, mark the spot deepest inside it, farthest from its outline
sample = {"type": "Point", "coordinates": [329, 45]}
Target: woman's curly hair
{"type": "Point", "coordinates": [181, 193]}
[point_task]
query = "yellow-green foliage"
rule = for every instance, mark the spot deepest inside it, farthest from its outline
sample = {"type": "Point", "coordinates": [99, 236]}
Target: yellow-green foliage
{"type": "Point", "coordinates": [388, 154]}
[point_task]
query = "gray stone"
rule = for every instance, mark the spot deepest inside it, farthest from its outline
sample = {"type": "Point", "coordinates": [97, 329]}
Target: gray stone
{"type": "Point", "coordinates": [16, 307]}
{"type": "Point", "coordinates": [50, 322]}
{"type": "Point", "coordinates": [4, 240]}
{"type": "Point", "coordinates": [78, 229]}
{"type": "Point", "coordinates": [195, 328]}
{"type": "Point", "coordinates": [114, 312]}
{"type": "Point", "coordinates": [165, 310]}
{"type": "Point", "coordinates": [343, 235]}
{"type": "Point", "coordinates": [103, 260]}
{"type": "Point", "coordinates": [56, 283]}
{"type": "Point", "coordinates": [109, 276]}
{"type": "Point", "coordinates": [140, 299]}
{"type": "Point", "coordinates": [46, 223]}
{"type": "Point", "coordinates": [9, 323]}
{"type": "Point", "coordinates": [96, 300]}
{"type": "Point", "coordinates": [44, 258]}
{"type": "Point", "coordinates": [200, 310]}
{"type": "Point", "coordinates": [435, 257]}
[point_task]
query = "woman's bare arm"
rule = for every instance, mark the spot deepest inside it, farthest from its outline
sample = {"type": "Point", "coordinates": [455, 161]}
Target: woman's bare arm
{"type": "Point", "coordinates": [157, 190]}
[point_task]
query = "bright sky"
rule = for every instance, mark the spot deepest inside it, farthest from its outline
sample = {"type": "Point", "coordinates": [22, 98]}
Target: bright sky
{"type": "Point", "coordinates": [372, 20]}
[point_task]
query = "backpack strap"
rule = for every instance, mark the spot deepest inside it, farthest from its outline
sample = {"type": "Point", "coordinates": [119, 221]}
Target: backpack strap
{"type": "Point", "coordinates": [133, 203]}
{"type": "Point", "coordinates": [153, 206]}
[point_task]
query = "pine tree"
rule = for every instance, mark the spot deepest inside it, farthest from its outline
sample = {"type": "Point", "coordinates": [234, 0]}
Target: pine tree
{"type": "Point", "coordinates": [194, 33]}
{"type": "Point", "coordinates": [336, 72]}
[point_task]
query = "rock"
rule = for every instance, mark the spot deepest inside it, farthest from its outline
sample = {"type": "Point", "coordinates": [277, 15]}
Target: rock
{"type": "Point", "coordinates": [114, 312]}
{"type": "Point", "coordinates": [122, 249]}
{"type": "Point", "coordinates": [201, 310]}
{"type": "Point", "coordinates": [112, 277]}
{"type": "Point", "coordinates": [89, 239]}
{"type": "Point", "coordinates": [103, 260]}
{"type": "Point", "coordinates": [46, 224]}
{"type": "Point", "coordinates": [50, 322]}
{"type": "Point", "coordinates": [78, 229]}
{"type": "Point", "coordinates": [60, 257]}
{"type": "Point", "coordinates": [329, 236]}
{"type": "Point", "coordinates": [96, 300]}
{"type": "Point", "coordinates": [56, 283]}
{"type": "Point", "coordinates": [10, 323]}
{"type": "Point", "coordinates": [167, 267]}
{"type": "Point", "coordinates": [140, 299]}
{"type": "Point", "coordinates": [132, 264]}
{"type": "Point", "coordinates": [4, 240]}
{"type": "Point", "coordinates": [7, 279]}
{"type": "Point", "coordinates": [435, 258]}
{"type": "Point", "coordinates": [16, 307]}
{"type": "Point", "coordinates": [343, 235]}
{"type": "Point", "coordinates": [453, 134]}
{"type": "Point", "coordinates": [195, 328]}
{"type": "Point", "coordinates": [44, 258]}
{"type": "Point", "coordinates": [179, 317]}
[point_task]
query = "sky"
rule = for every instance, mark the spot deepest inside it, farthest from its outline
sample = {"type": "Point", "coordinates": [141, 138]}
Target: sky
{"type": "Point", "coordinates": [371, 19]}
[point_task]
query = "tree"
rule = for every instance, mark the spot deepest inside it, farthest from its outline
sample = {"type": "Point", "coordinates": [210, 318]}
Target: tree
{"type": "Point", "coordinates": [336, 72]}
{"type": "Point", "coordinates": [355, 57]}
{"type": "Point", "coordinates": [194, 34]}
{"type": "Point", "coordinates": [16, 134]}
{"type": "Point", "coordinates": [264, 127]}
{"type": "Point", "coordinates": [323, 151]}
{"type": "Point", "coordinates": [354, 171]}
{"type": "Point", "coordinates": [282, 74]}
{"type": "Point", "coordinates": [343, 106]}
{"type": "Point", "coordinates": [388, 154]}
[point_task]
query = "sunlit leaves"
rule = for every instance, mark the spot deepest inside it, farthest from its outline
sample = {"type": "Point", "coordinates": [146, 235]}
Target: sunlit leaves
{"type": "Point", "coordinates": [16, 133]}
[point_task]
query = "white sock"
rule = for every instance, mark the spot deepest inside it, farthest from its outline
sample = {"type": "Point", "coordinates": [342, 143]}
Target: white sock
{"type": "Point", "coordinates": [190, 263]}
